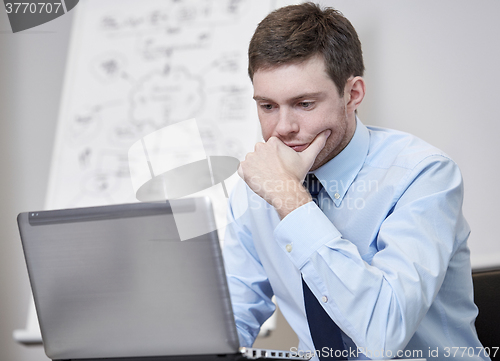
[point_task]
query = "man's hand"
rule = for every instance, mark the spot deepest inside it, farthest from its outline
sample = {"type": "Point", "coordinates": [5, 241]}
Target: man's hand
{"type": "Point", "coordinates": [276, 172]}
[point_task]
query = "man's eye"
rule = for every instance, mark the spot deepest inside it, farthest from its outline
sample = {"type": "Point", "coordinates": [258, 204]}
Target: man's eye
{"type": "Point", "coordinates": [306, 104]}
{"type": "Point", "coordinates": [267, 106]}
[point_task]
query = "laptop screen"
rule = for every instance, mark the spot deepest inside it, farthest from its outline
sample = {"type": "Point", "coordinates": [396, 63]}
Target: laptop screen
{"type": "Point", "coordinates": [117, 281]}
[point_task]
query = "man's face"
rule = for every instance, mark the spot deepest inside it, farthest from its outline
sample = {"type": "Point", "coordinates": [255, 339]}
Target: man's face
{"type": "Point", "coordinates": [296, 102]}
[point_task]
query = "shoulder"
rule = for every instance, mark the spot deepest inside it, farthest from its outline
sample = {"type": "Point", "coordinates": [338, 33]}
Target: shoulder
{"type": "Point", "coordinates": [393, 148]}
{"type": "Point", "coordinates": [412, 167]}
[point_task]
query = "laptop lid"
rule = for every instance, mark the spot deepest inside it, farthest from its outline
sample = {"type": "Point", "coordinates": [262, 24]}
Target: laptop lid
{"type": "Point", "coordinates": [117, 281]}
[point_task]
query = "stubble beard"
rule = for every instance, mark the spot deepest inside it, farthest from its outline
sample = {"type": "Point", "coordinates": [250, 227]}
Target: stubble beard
{"type": "Point", "coordinates": [335, 145]}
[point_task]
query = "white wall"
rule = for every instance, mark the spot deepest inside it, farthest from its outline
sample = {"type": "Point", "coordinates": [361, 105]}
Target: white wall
{"type": "Point", "coordinates": [432, 70]}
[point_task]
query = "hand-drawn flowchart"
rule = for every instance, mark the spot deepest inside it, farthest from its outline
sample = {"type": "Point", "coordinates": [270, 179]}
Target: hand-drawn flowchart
{"type": "Point", "coordinates": [136, 67]}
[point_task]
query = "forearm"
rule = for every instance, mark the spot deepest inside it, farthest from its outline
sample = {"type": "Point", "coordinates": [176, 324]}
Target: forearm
{"type": "Point", "coordinates": [249, 286]}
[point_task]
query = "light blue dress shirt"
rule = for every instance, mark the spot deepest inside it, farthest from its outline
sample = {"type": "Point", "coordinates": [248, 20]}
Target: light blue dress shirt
{"type": "Point", "coordinates": [386, 254]}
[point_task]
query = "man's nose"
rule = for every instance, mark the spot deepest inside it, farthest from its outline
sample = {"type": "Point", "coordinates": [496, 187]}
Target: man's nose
{"type": "Point", "coordinates": [287, 122]}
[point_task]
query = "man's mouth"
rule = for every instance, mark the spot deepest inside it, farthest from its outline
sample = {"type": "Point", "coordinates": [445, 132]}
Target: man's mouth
{"type": "Point", "coordinates": [298, 147]}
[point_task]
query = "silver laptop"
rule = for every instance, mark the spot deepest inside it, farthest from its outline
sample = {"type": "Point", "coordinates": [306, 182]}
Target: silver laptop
{"type": "Point", "coordinates": [116, 282]}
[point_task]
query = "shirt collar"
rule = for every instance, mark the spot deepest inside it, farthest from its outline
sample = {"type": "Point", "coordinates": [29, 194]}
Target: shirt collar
{"type": "Point", "coordinates": [337, 175]}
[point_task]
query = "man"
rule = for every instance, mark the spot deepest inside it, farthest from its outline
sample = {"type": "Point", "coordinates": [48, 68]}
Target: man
{"type": "Point", "coordinates": [382, 248]}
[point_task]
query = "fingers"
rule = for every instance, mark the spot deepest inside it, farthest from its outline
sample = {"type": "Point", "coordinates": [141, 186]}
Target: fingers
{"type": "Point", "coordinates": [276, 143]}
{"type": "Point", "coordinates": [316, 146]}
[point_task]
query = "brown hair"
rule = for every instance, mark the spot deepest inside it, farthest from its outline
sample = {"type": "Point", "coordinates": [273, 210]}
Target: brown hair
{"type": "Point", "coordinates": [293, 34]}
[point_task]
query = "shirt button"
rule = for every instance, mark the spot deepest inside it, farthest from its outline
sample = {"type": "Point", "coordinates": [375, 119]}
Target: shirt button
{"type": "Point", "coordinates": [336, 195]}
{"type": "Point", "coordinates": [324, 299]}
{"type": "Point", "coordinates": [289, 248]}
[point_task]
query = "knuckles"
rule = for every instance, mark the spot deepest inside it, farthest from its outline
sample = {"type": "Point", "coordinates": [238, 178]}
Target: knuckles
{"type": "Point", "coordinates": [259, 146]}
{"type": "Point", "coordinates": [274, 142]}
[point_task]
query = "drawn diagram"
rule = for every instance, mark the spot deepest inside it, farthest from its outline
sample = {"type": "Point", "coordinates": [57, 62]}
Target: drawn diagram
{"type": "Point", "coordinates": [166, 97]}
{"type": "Point", "coordinates": [137, 67]}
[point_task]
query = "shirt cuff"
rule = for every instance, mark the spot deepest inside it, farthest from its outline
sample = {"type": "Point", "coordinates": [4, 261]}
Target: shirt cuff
{"type": "Point", "coordinates": [303, 231]}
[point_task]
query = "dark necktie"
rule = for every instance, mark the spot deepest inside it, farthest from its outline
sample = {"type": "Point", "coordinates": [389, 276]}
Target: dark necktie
{"type": "Point", "coordinates": [313, 185]}
{"type": "Point", "coordinates": [324, 331]}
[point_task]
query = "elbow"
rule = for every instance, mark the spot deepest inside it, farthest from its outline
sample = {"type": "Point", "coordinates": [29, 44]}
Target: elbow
{"type": "Point", "coordinates": [387, 340]}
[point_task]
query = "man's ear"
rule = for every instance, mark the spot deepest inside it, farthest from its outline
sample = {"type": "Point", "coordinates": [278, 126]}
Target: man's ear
{"type": "Point", "coordinates": [354, 92]}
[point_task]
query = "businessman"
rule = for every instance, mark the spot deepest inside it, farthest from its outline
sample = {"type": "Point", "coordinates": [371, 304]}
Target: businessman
{"type": "Point", "coordinates": [357, 231]}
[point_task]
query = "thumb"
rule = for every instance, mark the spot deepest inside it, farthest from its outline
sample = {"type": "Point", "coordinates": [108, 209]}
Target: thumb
{"type": "Point", "coordinates": [310, 154]}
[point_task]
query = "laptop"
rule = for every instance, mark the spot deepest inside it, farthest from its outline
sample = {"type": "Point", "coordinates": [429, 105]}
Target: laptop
{"type": "Point", "coordinates": [117, 283]}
